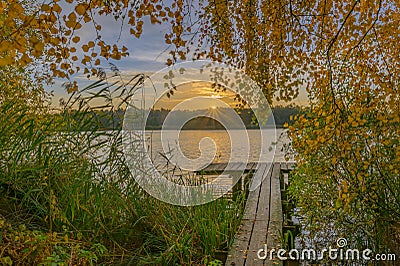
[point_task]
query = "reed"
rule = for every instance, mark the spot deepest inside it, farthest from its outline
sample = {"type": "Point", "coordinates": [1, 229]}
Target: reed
{"type": "Point", "coordinates": [63, 179]}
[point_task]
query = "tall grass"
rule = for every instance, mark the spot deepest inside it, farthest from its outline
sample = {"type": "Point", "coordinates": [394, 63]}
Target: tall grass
{"type": "Point", "coordinates": [63, 178]}
{"type": "Point", "coordinates": [189, 235]}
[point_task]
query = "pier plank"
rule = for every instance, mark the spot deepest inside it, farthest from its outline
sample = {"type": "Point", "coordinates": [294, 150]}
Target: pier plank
{"type": "Point", "coordinates": [284, 166]}
{"type": "Point", "coordinates": [260, 229]}
{"type": "Point", "coordinates": [217, 167]}
{"type": "Point", "coordinates": [276, 215]}
{"type": "Point", "coordinates": [239, 249]}
{"type": "Point", "coordinates": [262, 219]}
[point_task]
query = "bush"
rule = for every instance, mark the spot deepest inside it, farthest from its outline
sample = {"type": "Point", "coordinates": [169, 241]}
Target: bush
{"type": "Point", "coordinates": [347, 183]}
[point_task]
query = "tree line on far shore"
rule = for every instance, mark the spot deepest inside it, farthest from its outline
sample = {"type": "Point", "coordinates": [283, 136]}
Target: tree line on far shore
{"type": "Point", "coordinates": [113, 120]}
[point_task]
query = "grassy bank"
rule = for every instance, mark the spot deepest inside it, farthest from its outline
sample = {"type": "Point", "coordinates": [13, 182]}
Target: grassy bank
{"type": "Point", "coordinates": [69, 199]}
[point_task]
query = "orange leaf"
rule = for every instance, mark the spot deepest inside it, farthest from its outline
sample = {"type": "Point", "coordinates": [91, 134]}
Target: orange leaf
{"type": "Point", "coordinates": [70, 24]}
{"type": "Point", "coordinates": [6, 61]}
{"type": "Point", "coordinates": [85, 48]}
{"type": "Point", "coordinates": [80, 9]}
{"type": "Point", "coordinates": [57, 8]}
{"type": "Point", "coordinates": [46, 8]}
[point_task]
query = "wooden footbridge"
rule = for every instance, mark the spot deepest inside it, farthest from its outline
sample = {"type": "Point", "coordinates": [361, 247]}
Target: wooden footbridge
{"type": "Point", "coordinates": [263, 217]}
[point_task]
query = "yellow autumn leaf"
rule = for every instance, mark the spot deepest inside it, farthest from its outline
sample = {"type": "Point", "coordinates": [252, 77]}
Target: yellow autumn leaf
{"type": "Point", "coordinates": [45, 8]}
{"type": "Point", "coordinates": [70, 24]}
{"type": "Point", "coordinates": [86, 19]}
{"type": "Point", "coordinates": [85, 48]}
{"type": "Point", "coordinates": [57, 8]}
{"type": "Point", "coordinates": [80, 9]}
{"type": "Point", "coordinates": [7, 60]}
{"type": "Point", "coordinates": [39, 46]}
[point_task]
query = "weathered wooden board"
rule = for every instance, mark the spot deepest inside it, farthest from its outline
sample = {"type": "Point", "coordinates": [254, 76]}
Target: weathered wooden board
{"type": "Point", "coordinates": [260, 229]}
{"type": "Point", "coordinates": [217, 167]}
{"type": "Point", "coordinates": [238, 252]}
{"type": "Point", "coordinates": [262, 219]}
{"type": "Point", "coordinates": [276, 215]}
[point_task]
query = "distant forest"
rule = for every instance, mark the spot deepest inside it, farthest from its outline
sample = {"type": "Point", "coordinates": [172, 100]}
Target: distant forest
{"type": "Point", "coordinates": [108, 120]}
{"type": "Point", "coordinates": [156, 118]}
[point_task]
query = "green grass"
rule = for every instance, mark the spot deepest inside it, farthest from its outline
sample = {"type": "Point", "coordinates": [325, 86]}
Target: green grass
{"type": "Point", "coordinates": [62, 204]}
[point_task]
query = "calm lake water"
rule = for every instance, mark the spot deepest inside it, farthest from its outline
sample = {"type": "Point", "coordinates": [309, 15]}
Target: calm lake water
{"type": "Point", "coordinates": [216, 146]}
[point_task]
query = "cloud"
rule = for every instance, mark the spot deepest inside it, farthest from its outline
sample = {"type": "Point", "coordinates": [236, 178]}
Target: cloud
{"type": "Point", "coordinates": [145, 54]}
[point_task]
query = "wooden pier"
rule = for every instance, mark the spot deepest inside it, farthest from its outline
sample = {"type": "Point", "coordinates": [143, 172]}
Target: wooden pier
{"type": "Point", "coordinates": [263, 218]}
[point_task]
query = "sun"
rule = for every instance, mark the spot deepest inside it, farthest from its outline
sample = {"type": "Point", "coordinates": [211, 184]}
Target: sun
{"type": "Point", "coordinates": [213, 107]}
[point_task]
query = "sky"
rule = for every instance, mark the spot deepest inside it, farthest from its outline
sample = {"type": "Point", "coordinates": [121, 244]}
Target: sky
{"type": "Point", "coordinates": [204, 94]}
{"type": "Point", "coordinates": [146, 55]}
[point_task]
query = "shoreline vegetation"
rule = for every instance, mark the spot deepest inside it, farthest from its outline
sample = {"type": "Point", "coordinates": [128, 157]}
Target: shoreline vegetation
{"type": "Point", "coordinates": [112, 120]}
{"type": "Point", "coordinates": [72, 200]}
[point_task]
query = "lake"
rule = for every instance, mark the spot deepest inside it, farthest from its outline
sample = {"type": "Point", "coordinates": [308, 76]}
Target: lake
{"type": "Point", "coordinates": [185, 146]}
